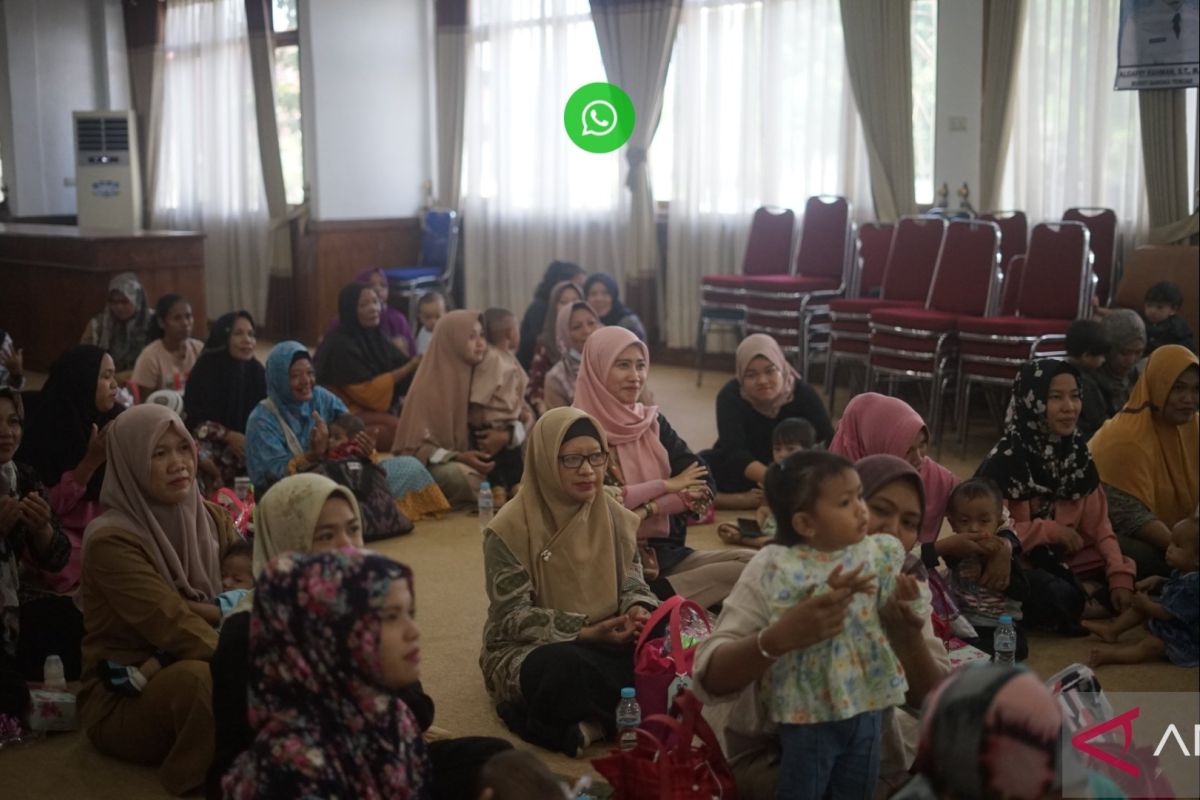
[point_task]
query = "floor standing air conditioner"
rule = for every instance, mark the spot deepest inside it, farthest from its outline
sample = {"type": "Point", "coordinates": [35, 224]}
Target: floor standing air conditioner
{"type": "Point", "coordinates": [108, 182]}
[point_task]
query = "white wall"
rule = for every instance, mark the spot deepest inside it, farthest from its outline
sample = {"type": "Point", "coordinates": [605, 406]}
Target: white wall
{"type": "Point", "coordinates": [366, 73]}
{"type": "Point", "coordinates": [959, 96]}
{"type": "Point", "coordinates": [58, 56]}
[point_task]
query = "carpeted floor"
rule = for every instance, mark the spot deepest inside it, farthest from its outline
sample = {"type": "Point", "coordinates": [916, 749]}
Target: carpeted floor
{"type": "Point", "coordinates": [451, 604]}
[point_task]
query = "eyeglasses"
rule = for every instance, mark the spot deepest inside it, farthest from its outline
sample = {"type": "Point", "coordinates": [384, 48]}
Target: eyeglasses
{"type": "Point", "coordinates": [575, 460]}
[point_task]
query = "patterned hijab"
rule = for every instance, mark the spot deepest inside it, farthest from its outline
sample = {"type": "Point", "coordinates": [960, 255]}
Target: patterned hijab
{"type": "Point", "coordinates": [760, 345]}
{"type": "Point", "coordinates": [124, 340]}
{"type": "Point", "coordinates": [325, 725]}
{"type": "Point", "coordinates": [1030, 462]}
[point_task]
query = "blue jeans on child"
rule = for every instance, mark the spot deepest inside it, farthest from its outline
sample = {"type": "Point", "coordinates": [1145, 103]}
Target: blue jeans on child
{"type": "Point", "coordinates": [830, 759]}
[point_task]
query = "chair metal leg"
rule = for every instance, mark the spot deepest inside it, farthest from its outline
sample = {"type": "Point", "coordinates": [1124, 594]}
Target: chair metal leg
{"type": "Point", "coordinates": [966, 418]}
{"type": "Point", "coordinates": [830, 376]}
{"type": "Point", "coordinates": [701, 337]}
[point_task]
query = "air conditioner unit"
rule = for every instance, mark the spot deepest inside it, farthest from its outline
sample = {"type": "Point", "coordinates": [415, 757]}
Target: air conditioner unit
{"type": "Point", "coordinates": [108, 180]}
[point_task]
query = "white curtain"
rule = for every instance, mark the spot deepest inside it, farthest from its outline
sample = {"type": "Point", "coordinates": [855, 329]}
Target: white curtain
{"type": "Point", "coordinates": [759, 111]}
{"type": "Point", "coordinates": [209, 174]}
{"type": "Point", "coordinates": [529, 195]}
{"type": "Point", "coordinates": [1075, 142]}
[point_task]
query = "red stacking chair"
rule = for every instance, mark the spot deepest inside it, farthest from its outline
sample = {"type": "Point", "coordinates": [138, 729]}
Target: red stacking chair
{"type": "Point", "coordinates": [1055, 291]}
{"type": "Point", "coordinates": [795, 308]}
{"type": "Point", "coordinates": [1011, 281]}
{"type": "Point", "coordinates": [1102, 227]}
{"type": "Point", "coordinates": [1014, 234]}
{"type": "Point", "coordinates": [912, 256]}
{"type": "Point", "coordinates": [723, 297]}
{"type": "Point", "coordinates": [921, 343]}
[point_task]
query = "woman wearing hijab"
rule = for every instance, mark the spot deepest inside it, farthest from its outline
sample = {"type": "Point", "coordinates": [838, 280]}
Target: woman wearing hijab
{"type": "Point", "coordinates": [1059, 512]}
{"type": "Point", "coordinates": [293, 421]}
{"type": "Point", "coordinates": [731, 660]}
{"type": "Point", "coordinates": [64, 442]}
{"type": "Point", "coordinates": [658, 476]}
{"type": "Point", "coordinates": [1147, 456]}
{"type": "Point", "coordinates": [327, 668]}
{"type": "Point", "coordinates": [225, 386]}
{"type": "Point", "coordinates": [535, 315]}
{"type": "Point", "coordinates": [157, 546]}
{"type": "Point", "coordinates": [575, 324]}
{"type": "Point", "coordinates": [167, 361]}
{"type": "Point", "coordinates": [1126, 334]}
{"type": "Point", "coordinates": [123, 327]}
{"type": "Point", "coordinates": [601, 293]}
{"type": "Point", "coordinates": [764, 391]}
{"type": "Point", "coordinates": [874, 424]}
{"type": "Point", "coordinates": [311, 514]}
{"type": "Point", "coordinates": [392, 323]}
{"type": "Point", "coordinates": [567, 597]}
{"type": "Point", "coordinates": [433, 425]}
{"type": "Point", "coordinates": [362, 366]}
{"type": "Point", "coordinates": [546, 352]}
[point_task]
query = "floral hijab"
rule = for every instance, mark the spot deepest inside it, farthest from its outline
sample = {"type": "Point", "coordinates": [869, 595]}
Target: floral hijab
{"type": "Point", "coordinates": [1030, 462]}
{"type": "Point", "coordinates": [324, 724]}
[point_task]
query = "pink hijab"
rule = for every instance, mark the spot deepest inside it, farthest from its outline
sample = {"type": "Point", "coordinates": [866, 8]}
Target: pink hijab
{"type": "Point", "coordinates": [874, 424]}
{"type": "Point", "coordinates": [760, 345]}
{"type": "Point", "coordinates": [182, 539]}
{"type": "Point", "coordinates": [632, 429]}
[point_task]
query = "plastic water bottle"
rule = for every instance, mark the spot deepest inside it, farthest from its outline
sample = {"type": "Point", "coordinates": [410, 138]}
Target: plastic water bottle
{"type": "Point", "coordinates": [1004, 642]}
{"type": "Point", "coordinates": [486, 505]}
{"type": "Point", "coordinates": [52, 674]}
{"type": "Point", "coordinates": [629, 717]}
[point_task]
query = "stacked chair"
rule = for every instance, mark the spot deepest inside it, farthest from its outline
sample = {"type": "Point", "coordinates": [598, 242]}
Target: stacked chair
{"type": "Point", "coordinates": [723, 297]}
{"type": "Point", "coordinates": [921, 343]}
{"type": "Point", "coordinates": [435, 262]}
{"type": "Point", "coordinates": [912, 258]}
{"type": "Point", "coordinates": [1014, 234]}
{"type": "Point", "coordinates": [794, 308]}
{"type": "Point", "coordinates": [992, 349]}
{"type": "Point", "coordinates": [1102, 228]}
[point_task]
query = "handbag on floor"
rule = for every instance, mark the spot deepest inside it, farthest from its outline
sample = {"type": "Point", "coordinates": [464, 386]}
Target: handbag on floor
{"type": "Point", "coordinates": [663, 666]}
{"type": "Point", "coordinates": [676, 757]}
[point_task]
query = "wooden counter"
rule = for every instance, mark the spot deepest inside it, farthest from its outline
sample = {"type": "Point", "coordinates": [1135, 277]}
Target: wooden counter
{"type": "Point", "coordinates": [54, 278]}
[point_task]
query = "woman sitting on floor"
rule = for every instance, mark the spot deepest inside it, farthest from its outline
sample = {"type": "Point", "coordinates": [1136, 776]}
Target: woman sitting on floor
{"type": "Point", "coordinates": [294, 419]}
{"type": "Point", "coordinates": [434, 425]}
{"type": "Point", "coordinates": [1059, 511]}
{"type": "Point", "coordinates": [576, 323]}
{"type": "Point", "coordinates": [1149, 458]}
{"type": "Point", "coordinates": [362, 366]}
{"type": "Point", "coordinates": [656, 474]}
{"type": "Point", "coordinates": [157, 546]}
{"type": "Point", "coordinates": [168, 359]}
{"type": "Point", "coordinates": [764, 391]}
{"type": "Point", "coordinates": [547, 352]}
{"type": "Point", "coordinates": [225, 386]}
{"type": "Point", "coordinates": [562, 621]}
{"type": "Point", "coordinates": [601, 293]}
{"type": "Point", "coordinates": [65, 442]}
{"type": "Point", "coordinates": [534, 319]}
{"type": "Point", "coordinates": [1126, 334]}
{"type": "Point", "coordinates": [393, 323]}
{"type": "Point", "coordinates": [123, 327]}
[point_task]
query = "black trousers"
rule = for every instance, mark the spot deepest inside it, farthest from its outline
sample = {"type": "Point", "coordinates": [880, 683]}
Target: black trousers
{"type": "Point", "coordinates": [50, 626]}
{"type": "Point", "coordinates": [14, 694]}
{"type": "Point", "coordinates": [566, 683]}
{"type": "Point", "coordinates": [456, 764]}
{"type": "Point", "coordinates": [726, 475]}
{"type": "Point", "coordinates": [510, 466]}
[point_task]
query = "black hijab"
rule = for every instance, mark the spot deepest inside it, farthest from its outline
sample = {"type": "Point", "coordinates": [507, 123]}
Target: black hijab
{"type": "Point", "coordinates": [59, 418]}
{"type": "Point", "coordinates": [619, 310]}
{"type": "Point", "coordinates": [353, 354]}
{"type": "Point", "coordinates": [222, 388]}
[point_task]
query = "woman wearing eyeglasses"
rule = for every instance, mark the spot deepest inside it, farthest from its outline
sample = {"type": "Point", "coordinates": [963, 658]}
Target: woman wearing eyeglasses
{"type": "Point", "coordinates": [567, 597]}
{"type": "Point", "coordinates": [654, 471]}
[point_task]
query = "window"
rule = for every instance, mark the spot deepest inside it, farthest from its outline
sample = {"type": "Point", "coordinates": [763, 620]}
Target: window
{"type": "Point", "coordinates": [284, 26]}
{"type": "Point", "coordinates": [924, 96]}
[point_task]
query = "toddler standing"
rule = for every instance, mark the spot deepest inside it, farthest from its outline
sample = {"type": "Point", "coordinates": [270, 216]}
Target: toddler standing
{"type": "Point", "coordinates": [827, 699]}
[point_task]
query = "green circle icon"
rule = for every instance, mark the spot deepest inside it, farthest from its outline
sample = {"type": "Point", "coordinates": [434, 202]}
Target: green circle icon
{"type": "Point", "coordinates": [599, 117]}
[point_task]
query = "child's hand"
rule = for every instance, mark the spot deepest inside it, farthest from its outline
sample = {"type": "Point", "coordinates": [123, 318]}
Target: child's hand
{"type": "Point", "coordinates": [1150, 585]}
{"type": "Point", "coordinates": [761, 515]}
{"type": "Point", "coordinates": [854, 580]}
{"type": "Point", "coordinates": [366, 442]}
{"type": "Point", "coordinates": [1068, 538]}
{"type": "Point", "coordinates": [897, 614]}
{"type": "Point", "coordinates": [999, 567]}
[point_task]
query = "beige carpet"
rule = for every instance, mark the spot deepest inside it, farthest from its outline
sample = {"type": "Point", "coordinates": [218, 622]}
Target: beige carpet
{"type": "Point", "coordinates": [451, 607]}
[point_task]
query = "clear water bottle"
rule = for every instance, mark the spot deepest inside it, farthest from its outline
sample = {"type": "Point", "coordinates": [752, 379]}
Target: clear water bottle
{"type": "Point", "coordinates": [52, 674]}
{"type": "Point", "coordinates": [486, 505]}
{"type": "Point", "coordinates": [629, 717]}
{"type": "Point", "coordinates": [1004, 642]}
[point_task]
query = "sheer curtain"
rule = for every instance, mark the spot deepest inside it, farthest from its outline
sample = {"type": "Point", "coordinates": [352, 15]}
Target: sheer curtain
{"type": "Point", "coordinates": [1075, 142]}
{"type": "Point", "coordinates": [759, 111]}
{"type": "Point", "coordinates": [530, 195]}
{"type": "Point", "coordinates": [209, 174]}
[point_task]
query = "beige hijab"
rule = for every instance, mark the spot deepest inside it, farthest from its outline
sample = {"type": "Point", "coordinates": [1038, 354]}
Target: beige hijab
{"type": "Point", "coordinates": [286, 519]}
{"type": "Point", "coordinates": [754, 346]}
{"type": "Point", "coordinates": [576, 555]}
{"type": "Point", "coordinates": [182, 538]}
{"type": "Point", "coordinates": [435, 410]}
{"type": "Point", "coordinates": [499, 383]}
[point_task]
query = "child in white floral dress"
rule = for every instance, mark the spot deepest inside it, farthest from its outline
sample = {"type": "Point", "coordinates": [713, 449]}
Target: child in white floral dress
{"type": "Point", "coordinates": [827, 699]}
